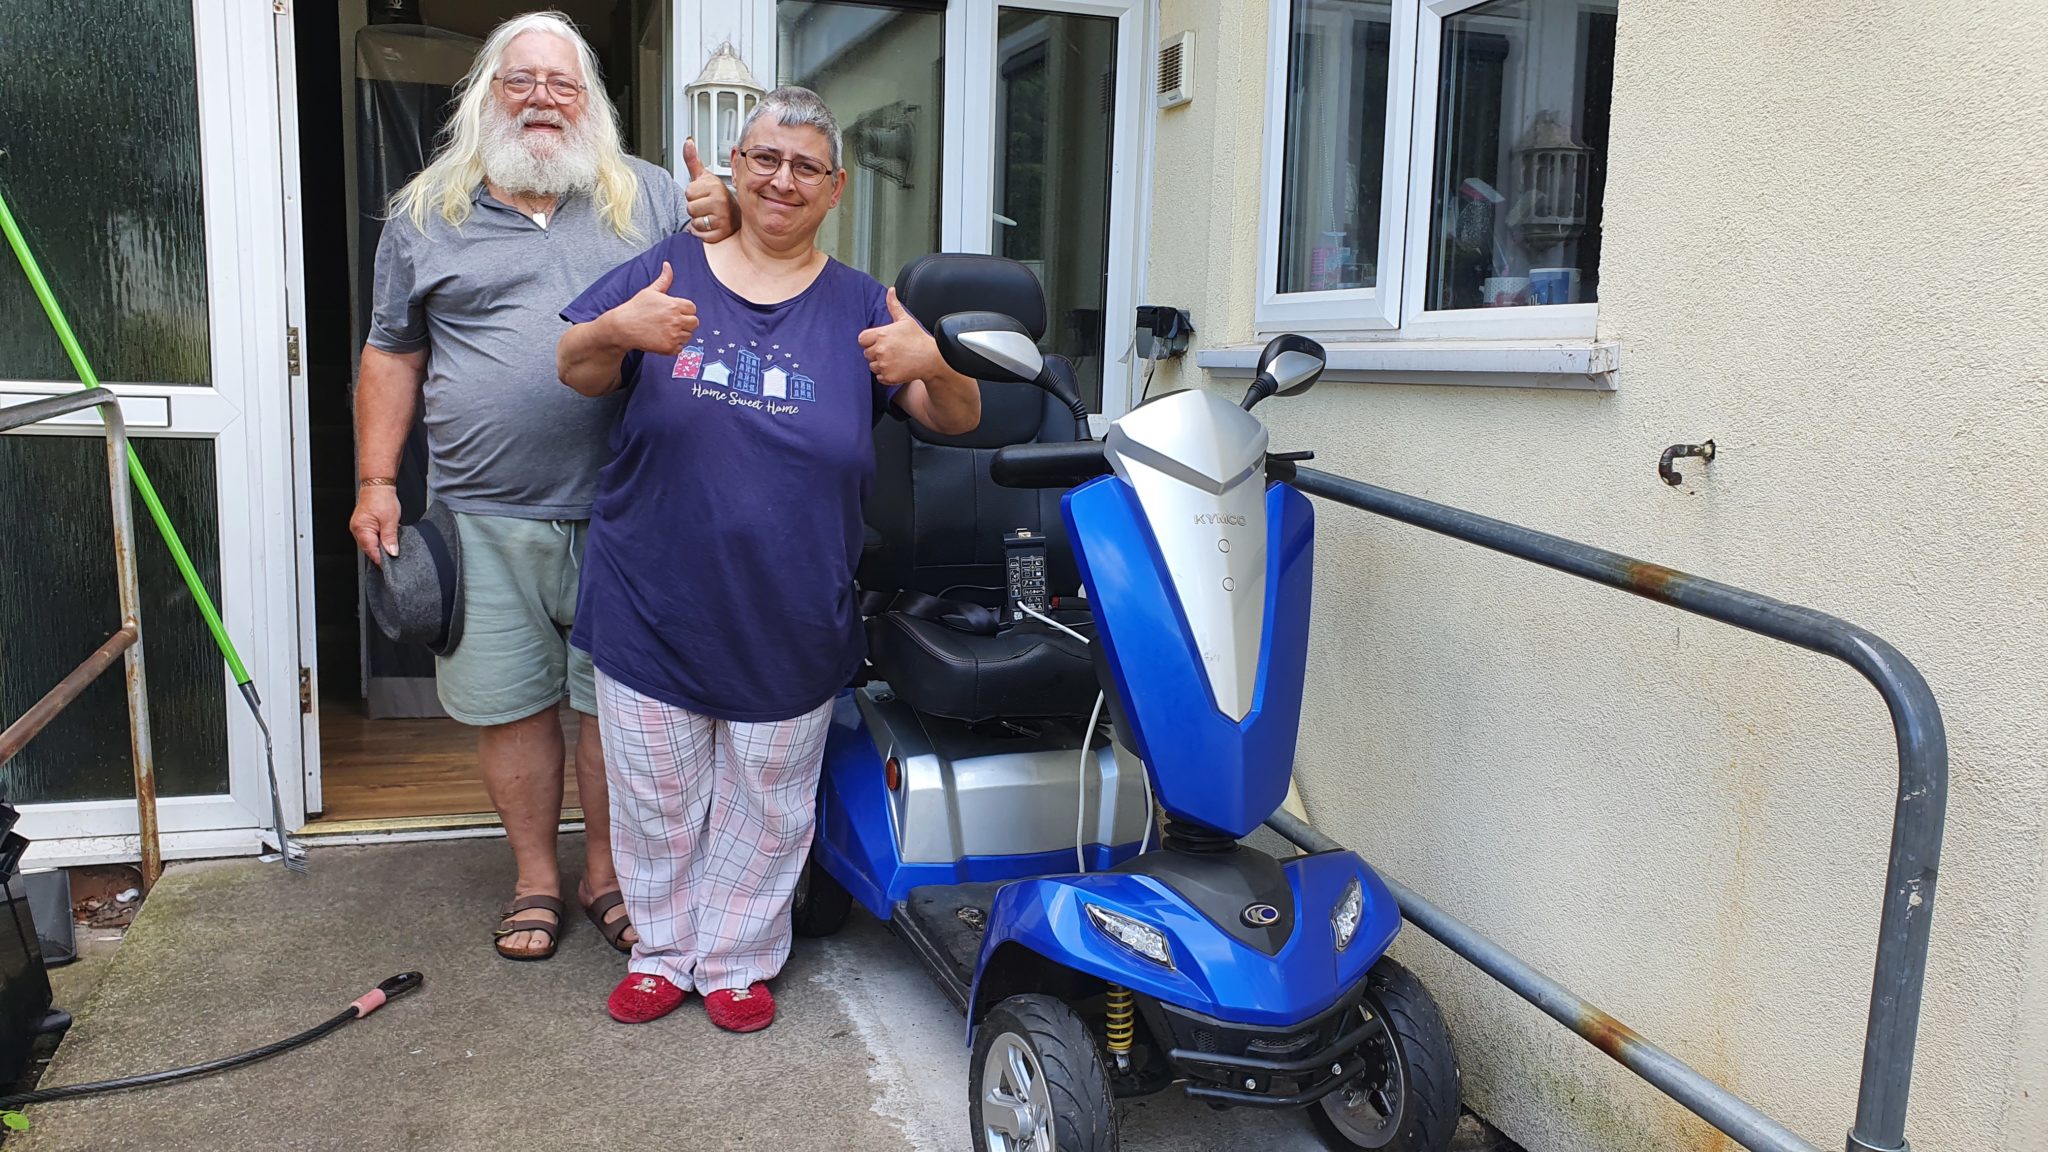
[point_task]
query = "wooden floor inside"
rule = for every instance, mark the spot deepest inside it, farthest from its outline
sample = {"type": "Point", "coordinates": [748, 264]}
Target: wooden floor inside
{"type": "Point", "coordinates": [392, 769]}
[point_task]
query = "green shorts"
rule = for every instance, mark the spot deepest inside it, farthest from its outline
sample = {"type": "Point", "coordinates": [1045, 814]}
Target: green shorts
{"type": "Point", "coordinates": [519, 582]}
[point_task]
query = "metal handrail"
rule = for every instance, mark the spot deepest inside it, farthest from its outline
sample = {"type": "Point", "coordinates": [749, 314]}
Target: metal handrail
{"type": "Point", "coordinates": [126, 641]}
{"type": "Point", "coordinates": [1918, 817]}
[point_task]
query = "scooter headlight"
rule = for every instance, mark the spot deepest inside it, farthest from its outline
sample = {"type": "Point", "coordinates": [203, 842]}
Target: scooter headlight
{"type": "Point", "coordinates": [1133, 935]}
{"type": "Point", "coordinates": [1345, 916]}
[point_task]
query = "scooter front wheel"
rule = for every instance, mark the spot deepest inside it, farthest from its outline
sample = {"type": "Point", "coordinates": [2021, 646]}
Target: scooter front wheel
{"type": "Point", "coordinates": [1406, 1097]}
{"type": "Point", "coordinates": [1037, 1083]}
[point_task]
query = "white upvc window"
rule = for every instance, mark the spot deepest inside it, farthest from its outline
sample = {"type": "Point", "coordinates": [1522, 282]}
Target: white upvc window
{"type": "Point", "coordinates": [1433, 173]}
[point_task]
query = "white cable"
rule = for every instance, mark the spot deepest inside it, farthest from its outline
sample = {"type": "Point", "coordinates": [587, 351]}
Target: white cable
{"type": "Point", "coordinates": [1088, 738]}
{"type": "Point", "coordinates": [1028, 610]}
{"type": "Point", "coordinates": [1081, 803]}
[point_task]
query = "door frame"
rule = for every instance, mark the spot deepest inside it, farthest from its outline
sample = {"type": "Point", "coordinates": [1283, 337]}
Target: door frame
{"type": "Point", "coordinates": [246, 412]}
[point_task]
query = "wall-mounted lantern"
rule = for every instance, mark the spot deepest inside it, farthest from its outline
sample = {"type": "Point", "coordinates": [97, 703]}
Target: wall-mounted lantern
{"type": "Point", "coordinates": [719, 101]}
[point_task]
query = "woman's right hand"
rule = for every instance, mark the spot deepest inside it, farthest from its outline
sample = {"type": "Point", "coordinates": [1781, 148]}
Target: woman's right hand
{"type": "Point", "coordinates": [653, 320]}
{"type": "Point", "coordinates": [375, 522]}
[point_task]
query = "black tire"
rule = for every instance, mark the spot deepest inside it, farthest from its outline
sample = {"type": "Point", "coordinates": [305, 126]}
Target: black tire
{"type": "Point", "coordinates": [821, 903]}
{"type": "Point", "coordinates": [1406, 1099]}
{"type": "Point", "coordinates": [1062, 1059]}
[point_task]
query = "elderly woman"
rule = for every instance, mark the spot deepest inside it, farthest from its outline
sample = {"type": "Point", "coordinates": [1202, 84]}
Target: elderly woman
{"type": "Point", "coordinates": [717, 591]}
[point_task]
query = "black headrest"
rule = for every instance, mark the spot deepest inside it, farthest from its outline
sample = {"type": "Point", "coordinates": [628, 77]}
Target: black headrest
{"type": "Point", "coordinates": [943, 283]}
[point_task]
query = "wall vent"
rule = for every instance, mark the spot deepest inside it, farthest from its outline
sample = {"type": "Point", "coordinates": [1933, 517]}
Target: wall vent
{"type": "Point", "coordinates": [1176, 70]}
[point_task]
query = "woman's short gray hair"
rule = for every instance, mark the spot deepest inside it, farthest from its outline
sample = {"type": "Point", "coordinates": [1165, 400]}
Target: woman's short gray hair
{"type": "Point", "coordinates": [794, 107]}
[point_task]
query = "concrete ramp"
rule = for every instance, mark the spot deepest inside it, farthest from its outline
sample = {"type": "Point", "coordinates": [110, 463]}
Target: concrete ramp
{"type": "Point", "coordinates": [225, 956]}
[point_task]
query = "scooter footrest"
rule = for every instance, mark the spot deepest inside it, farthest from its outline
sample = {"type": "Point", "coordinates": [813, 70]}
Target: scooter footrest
{"type": "Point", "coordinates": [945, 922]}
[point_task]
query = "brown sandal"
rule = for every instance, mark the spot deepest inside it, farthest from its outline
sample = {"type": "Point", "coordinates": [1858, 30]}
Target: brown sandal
{"type": "Point", "coordinates": [529, 924]}
{"type": "Point", "coordinates": [612, 930]}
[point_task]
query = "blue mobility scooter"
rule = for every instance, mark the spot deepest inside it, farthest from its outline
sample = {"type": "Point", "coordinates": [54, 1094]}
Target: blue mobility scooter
{"type": "Point", "coordinates": [1027, 579]}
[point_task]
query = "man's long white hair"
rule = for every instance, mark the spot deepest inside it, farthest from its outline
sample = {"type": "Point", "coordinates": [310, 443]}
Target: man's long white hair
{"type": "Point", "coordinates": [450, 179]}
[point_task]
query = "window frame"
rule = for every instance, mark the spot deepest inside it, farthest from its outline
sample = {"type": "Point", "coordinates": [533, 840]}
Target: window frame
{"type": "Point", "coordinates": [1393, 309]}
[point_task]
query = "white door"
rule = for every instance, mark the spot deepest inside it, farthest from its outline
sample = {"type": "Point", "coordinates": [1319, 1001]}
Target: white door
{"type": "Point", "coordinates": [145, 168]}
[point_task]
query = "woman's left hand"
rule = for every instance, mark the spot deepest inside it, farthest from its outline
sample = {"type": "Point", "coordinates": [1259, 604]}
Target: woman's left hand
{"type": "Point", "coordinates": [902, 351]}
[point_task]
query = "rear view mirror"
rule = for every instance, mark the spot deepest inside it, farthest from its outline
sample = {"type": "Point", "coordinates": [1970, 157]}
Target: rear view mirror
{"type": "Point", "coordinates": [989, 346]}
{"type": "Point", "coordinates": [1289, 366]}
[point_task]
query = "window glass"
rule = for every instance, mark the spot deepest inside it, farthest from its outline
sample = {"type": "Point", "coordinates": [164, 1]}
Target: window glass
{"type": "Point", "coordinates": [1520, 154]}
{"type": "Point", "coordinates": [1335, 145]}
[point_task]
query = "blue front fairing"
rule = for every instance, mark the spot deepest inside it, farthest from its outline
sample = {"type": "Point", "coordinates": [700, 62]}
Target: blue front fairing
{"type": "Point", "coordinates": [1206, 768]}
{"type": "Point", "coordinates": [1213, 972]}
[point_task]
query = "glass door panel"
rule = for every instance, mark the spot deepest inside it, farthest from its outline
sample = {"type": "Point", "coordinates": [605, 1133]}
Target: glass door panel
{"type": "Point", "coordinates": [1055, 115]}
{"type": "Point", "coordinates": [881, 69]}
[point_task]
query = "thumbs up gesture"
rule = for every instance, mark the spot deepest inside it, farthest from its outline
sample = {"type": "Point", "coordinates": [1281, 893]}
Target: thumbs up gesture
{"type": "Point", "coordinates": [714, 214]}
{"type": "Point", "coordinates": [654, 321]}
{"type": "Point", "coordinates": [901, 350]}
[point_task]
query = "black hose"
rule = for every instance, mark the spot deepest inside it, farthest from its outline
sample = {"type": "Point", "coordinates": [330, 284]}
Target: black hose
{"type": "Point", "coordinates": [390, 989]}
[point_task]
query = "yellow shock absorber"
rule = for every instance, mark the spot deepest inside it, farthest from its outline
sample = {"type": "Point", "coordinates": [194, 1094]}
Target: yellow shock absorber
{"type": "Point", "coordinates": [1118, 1027]}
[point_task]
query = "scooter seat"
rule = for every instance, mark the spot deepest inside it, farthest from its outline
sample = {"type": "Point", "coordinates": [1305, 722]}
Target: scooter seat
{"type": "Point", "coordinates": [1030, 671]}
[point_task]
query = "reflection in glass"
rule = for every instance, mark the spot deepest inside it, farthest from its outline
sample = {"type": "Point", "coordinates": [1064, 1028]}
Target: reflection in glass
{"type": "Point", "coordinates": [101, 169]}
{"type": "Point", "coordinates": [1055, 108]}
{"type": "Point", "coordinates": [1521, 154]}
{"type": "Point", "coordinates": [1335, 145]}
{"type": "Point", "coordinates": [881, 70]}
{"type": "Point", "coordinates": [58, 603]}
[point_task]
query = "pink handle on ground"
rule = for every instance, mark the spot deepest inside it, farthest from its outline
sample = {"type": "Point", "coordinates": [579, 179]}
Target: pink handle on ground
{"type": "Point", "coordinates": [368, 1002]}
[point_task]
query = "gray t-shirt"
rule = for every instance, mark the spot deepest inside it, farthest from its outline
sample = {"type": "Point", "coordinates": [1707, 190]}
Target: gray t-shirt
{"type": "Point", "coordinates": [505, 436]}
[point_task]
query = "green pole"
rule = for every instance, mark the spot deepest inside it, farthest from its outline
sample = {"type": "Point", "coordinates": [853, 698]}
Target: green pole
{"type": "Point", "coordinates": [135, 470]}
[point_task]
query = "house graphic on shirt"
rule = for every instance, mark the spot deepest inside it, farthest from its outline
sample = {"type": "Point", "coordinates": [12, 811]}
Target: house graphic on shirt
{"type": "Point", "coordinates": [716, 372]}
{"type": "Point", "coordinates": [801, 388]}
{"type": "Point", "coordinates": [775, 383]}
{"type": "Point", "coordinates": [747, 378]}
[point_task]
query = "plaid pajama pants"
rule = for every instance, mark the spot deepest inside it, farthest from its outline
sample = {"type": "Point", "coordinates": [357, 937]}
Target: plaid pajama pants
{"type": "Point", "coordinates": [710, 824]}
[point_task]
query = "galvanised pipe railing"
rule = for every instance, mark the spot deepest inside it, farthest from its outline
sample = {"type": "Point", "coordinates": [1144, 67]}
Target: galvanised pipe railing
{"type": "Point", "coordinates": [126, 641]}
{"type": "Point", "coordinates": [1917, 822]}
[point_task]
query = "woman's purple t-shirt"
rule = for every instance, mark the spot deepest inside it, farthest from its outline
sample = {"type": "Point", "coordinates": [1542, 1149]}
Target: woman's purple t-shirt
{"type": "Point", "coordinates": [718, 576]}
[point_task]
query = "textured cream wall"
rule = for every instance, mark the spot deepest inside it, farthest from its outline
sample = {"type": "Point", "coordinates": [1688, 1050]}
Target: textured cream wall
{"type": "Point", "coordinates": [1825, 249]}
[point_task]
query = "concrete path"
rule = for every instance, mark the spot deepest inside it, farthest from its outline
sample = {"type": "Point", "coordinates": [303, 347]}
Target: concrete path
{"type": "Point", "coordinates": [867, 1054]}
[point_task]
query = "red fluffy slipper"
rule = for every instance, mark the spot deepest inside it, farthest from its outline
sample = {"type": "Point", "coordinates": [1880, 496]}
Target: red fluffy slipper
{"type": "Point", "coordinates": [744, 1011]}
{"type": "Point", "coordinates": [641, 997]}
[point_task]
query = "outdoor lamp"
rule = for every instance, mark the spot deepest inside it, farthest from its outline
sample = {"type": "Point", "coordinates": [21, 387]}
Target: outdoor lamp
{"type": "Point", "coordinates": [719, 101]}
{"type": "Point", "coordinates": [1551, 172]}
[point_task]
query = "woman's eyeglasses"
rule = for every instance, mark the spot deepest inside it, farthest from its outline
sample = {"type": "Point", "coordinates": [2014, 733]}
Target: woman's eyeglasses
{"type": "Point", "coordinates": [767, 162]}
{"type": "Point", "coordinates": [521, 84]}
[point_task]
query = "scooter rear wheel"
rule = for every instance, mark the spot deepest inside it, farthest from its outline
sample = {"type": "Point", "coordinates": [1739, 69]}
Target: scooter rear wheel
{"type": "Point", "coordinates": [821, 903]}
{"type": "Point", "coordinates": [1406, 1099]}
{"type": "Point", "coordinates": [1037, 1083]}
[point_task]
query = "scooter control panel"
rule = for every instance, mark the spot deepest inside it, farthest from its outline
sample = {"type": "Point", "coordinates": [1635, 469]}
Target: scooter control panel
{"type": "Point", "coordinates": [1024, 556]}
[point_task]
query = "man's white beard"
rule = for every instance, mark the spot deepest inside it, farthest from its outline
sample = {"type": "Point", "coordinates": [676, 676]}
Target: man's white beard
{"type": "Point", "coordinates": [518, 161]}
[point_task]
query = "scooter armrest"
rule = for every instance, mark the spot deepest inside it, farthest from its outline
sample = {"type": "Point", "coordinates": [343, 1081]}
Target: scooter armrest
{"type": "Point", "coordinates": [1048, 465]}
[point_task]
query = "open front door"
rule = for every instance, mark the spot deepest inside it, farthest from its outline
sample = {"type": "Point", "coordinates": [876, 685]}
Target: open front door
{"type": "Point", "coordinates": [143, 165]}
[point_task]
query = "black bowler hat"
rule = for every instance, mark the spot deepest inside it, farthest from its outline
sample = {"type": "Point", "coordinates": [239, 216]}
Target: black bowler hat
{"type": "Point", "coordinates": [416, 596]}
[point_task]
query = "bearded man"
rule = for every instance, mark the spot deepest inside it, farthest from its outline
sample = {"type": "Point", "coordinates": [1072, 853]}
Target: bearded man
{"type": "Point", "coordinates": [530, 199]}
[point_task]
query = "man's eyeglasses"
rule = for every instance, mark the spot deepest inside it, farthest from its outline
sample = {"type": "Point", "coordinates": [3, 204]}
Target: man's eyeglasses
{"type": "Point", "coordinates": [767, 162]}
{"type": "Point", "coordinates": [522, 84]}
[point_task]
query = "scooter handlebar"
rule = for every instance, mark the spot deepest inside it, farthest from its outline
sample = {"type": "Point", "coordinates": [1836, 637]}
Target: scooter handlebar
{"type": "Point", "coordinates": [1048, 465]}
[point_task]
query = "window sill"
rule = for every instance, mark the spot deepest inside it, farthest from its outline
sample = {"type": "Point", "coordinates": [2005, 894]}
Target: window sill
{"type": "Point", "coordinates": [1585, 365]}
